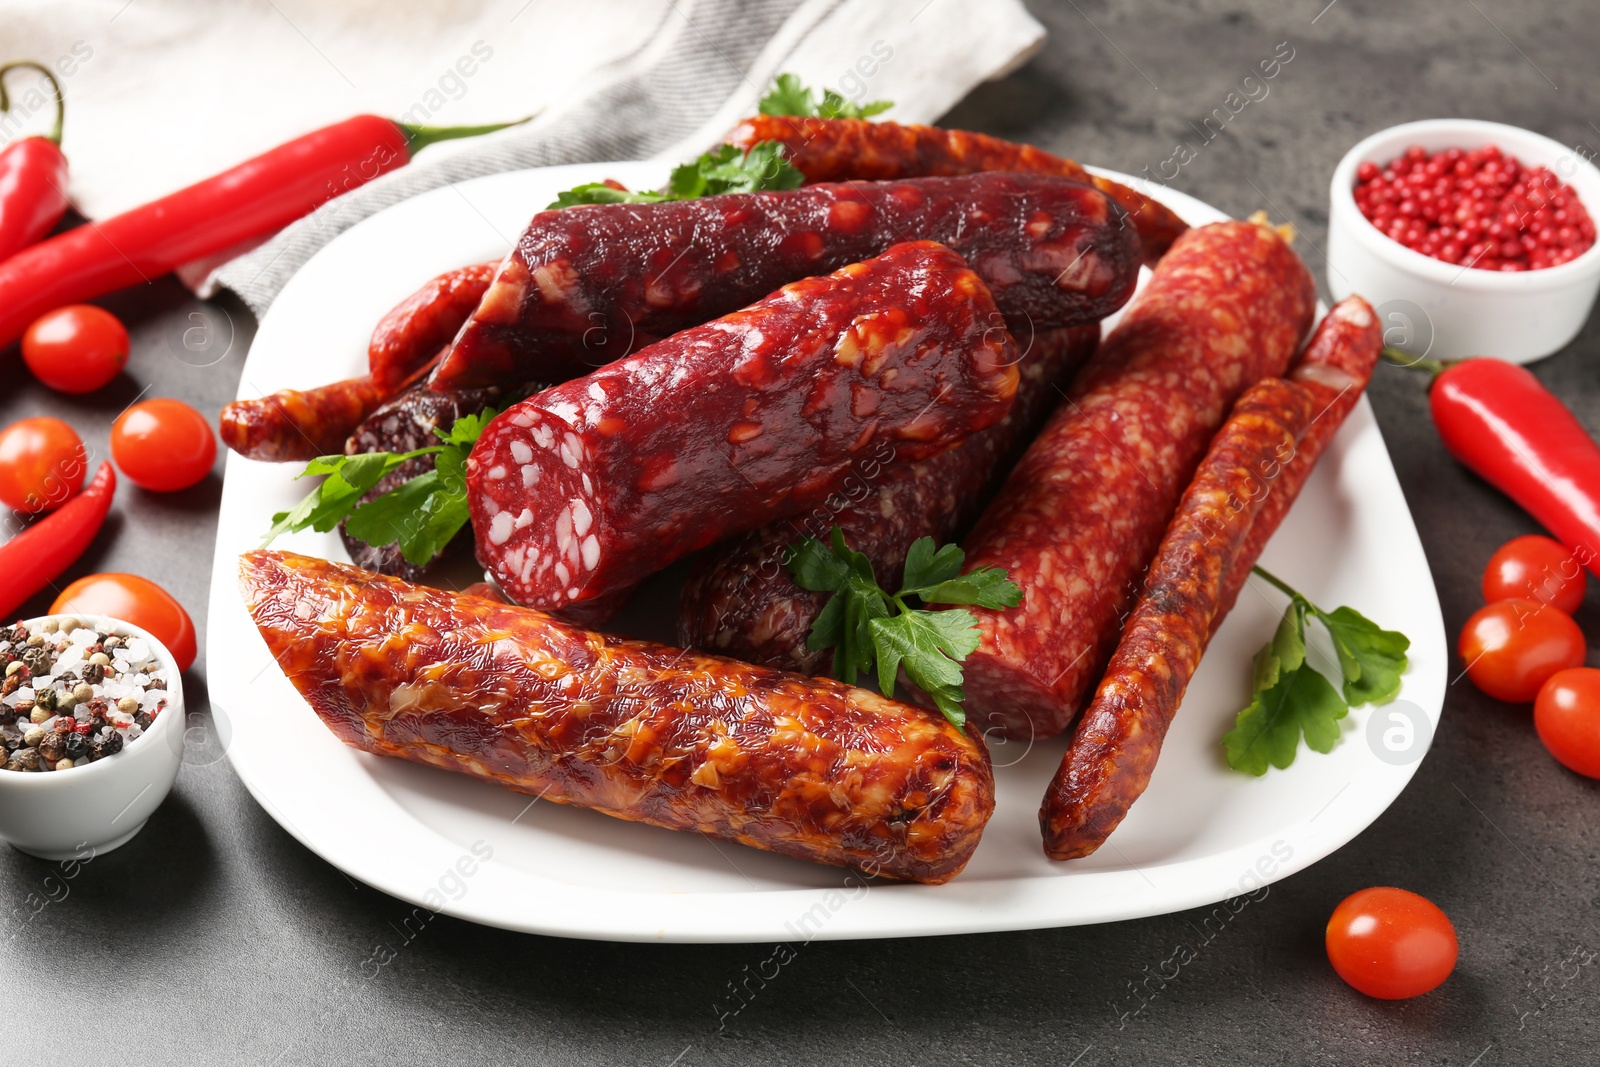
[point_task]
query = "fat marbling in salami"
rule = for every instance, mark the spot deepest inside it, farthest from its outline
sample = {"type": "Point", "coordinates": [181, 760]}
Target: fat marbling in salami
{"type": "Point", "coordinates": [584, 489]}
{"type": "Point", "coordinates": [741, 601]}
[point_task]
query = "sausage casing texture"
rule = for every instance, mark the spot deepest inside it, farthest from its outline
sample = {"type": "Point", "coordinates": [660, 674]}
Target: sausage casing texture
{"type": "Point", "coordinates": [587, 285]}
{"type": "Point", "coordinates": [1114, 748]}
{"type": "Point", "coordinates": [588, 487]}
{"type": "Point", "coordinates": [415, 329]}
{"type": "Point", "coordinates": [1083, 511]}
{"type": "Point", "coordinates": [800, 766]}
{"type": "Point", "coordinates": [834, 150]}
{"type": "Point", "coordinates": [406, 423]}
{"type": "Point", "coordinates": [1335, 368]}
{"type": "Point", "coordinates": [741, 601]}
{"type": "Point", "coordinates": [298, 425]}
{"type": "Point", "coordinates": [294, 425]}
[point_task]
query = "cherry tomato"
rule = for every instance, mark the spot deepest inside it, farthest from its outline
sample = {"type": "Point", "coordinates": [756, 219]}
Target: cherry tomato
{"type": "Point", "coordinates": [1512, 646]}
{"type": "Point", "coordinates": [163, 445]}
{"type": "Point", "coordinates": [1391, 943]}
{"type": "Point", "coordinates": [1567, 716]}
{"type": "Point", "coordinates": [135, 600]}
{"type": "Point", "coordinates": [42, 463]}
{"type": "Point", "coordinates": [1537, 568]}
{"type": "Point", "coordinates": [75, 349]}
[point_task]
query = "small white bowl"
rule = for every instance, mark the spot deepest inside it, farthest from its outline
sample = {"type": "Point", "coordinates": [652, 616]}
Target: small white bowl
{"type": "Point", "coordinates": [90, 810]}
{"type": "Point", "coordinates": [1442, 310]}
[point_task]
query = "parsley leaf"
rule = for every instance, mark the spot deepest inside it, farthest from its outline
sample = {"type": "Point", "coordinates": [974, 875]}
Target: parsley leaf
{"type": "Point", "coordinates": [1292, 699]}
{"type": "Point", "coordinates": [601, 193]}
{"type": "Point", "coordinates": [867, 627]}
{"type": "Point", "coordinates": [421, 514]}
{"type": "Point", "coordinates": [790, 96]}
{"type": "Point", "coordinates": [349, 478]}
{"type": "Point", "coordinates": [724, 170]}
{"type": "Point", "coordinates": [1372, 659]}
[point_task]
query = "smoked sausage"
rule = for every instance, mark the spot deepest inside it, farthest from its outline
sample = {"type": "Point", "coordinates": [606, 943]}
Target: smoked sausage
{"type": "Point", "coordinates": [1081, 515]}
{"type": "Point", "coordinates": [741, 601]}
{"type": "Point", "coordinates": [586, 488]}
{"type": "Point", "coordinates": [804, 767]}
{"type": "Point", "coordinates": [1113, 751]}
{"type": "Point", "coordinates": [300, 425]}
{"type": "Point", "coordinates": [1335, 368]}
{"type": "Point", "coordinates": [587, 285]}
{"type": "Point", "coordinates": [836, 150]}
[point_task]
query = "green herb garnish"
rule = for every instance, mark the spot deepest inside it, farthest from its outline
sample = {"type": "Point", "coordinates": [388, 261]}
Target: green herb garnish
{"type": "Point", "coordinates": [866, 626]}
{"type": "Point", "coordinates": [724, 170]}
{"type": "Point", "coordinates": [421, 514]}
{"type": "Point", "coordinates": [1292, 699]}
{"type": "Point", "coordinates": [789, 96]}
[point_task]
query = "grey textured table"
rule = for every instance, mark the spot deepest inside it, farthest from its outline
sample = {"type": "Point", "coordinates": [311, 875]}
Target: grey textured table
{"type": "Point", "coordinates": [215, 937]}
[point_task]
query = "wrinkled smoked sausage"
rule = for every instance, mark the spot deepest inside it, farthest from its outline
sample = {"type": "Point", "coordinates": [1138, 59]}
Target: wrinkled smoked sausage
{"type": "Point", "coordinates": [836, 150]}
{"type": "Point", "coordinates": [741, 600]}
{"type": "Point", "coordinates": [799, 766]}
{"type": "Point", "coordinates": [1114, 749]}
{"type": "Point", "coordinates": [300, 425]}
{"type": "Point", "coordinates": [587, 285]}
{"type": "Point", "coordinates": [1081, 515]}
{"type": "Point", "coordinates": [588, 487]}
{"type": "Point", "coordinates": [1335, 368]}
{"type": "Point", "coordinates": [295, 424]}
{"type": "Point", "coordinates": [415, 329]}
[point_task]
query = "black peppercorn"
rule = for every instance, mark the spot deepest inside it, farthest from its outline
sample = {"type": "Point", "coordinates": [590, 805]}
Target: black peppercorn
{"type": "Point", "coordinates": [77, 747]}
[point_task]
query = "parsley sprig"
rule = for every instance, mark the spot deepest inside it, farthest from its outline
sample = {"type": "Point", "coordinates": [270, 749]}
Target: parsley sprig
{"type": "Point", "coordinates": [723, 170]}
{"type": "Point", "coordinates": [421, 514]}
{"type": "Point", "coordinates": [865, 625]}
{"type": "Point", "coordinates": [790, 96]}
{"type": "Point", "coordinates": [1292, 699]}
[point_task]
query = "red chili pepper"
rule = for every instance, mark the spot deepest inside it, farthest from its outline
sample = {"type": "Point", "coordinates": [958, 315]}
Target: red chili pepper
{"type": "Point", "coordinates": [33, 175]}
{"type": "Point", "coordinates": [38, 555]}
{"type": "Point", "coordinates": [1501, 421]}
{"type": "Point", "coordinates": [256, 198]}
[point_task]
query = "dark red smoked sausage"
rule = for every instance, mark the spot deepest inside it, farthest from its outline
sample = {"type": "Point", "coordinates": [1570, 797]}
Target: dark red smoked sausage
{"type": "Point", "coordinates": [587, 285]}
{"type": "Point", "coordinates": [741, 600]}
{"type": "Point", "coordinates": [836, 150]}
{"type": "Point", "coordinates": [590, 486]}
{"type": "Point", "coordinates": [1081, 515]}
{"type": "Point", "coordinates": [1335, 368]}
{"type": "Point", "coordinates": [404, 424]}
{"type": "Point", "coordinates": [800, 766]}
{"type": "Point", "coordinates": [416, 329]}
{"type": "Point", "coordinates": [1114, 750]}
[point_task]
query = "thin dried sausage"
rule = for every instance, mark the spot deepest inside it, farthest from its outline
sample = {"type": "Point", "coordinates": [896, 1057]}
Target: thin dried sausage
{"type": "Point", "coordinates": [415, 329]}
{"type": "Point", "coordinates": [587, 285]}
{"type": "Point", "coordinates": [741, 601]}
{"type": "Point", "coordinates": [590, 486]}
{"type": "Point", "coordinates": [1081, 515]}
{"type": "Point", "coordinates": [1335, 368]}
{"type": "Point", "coordinates": [1113, 751]}
{"type": "Point", "coordinates": [296, 424]}
{"type": "Point", "coordinates": [799, 766]}
{"type": "Point", "coordinates": [835, 150]}
{"type": "Point", "coordinates": [299, 425]}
